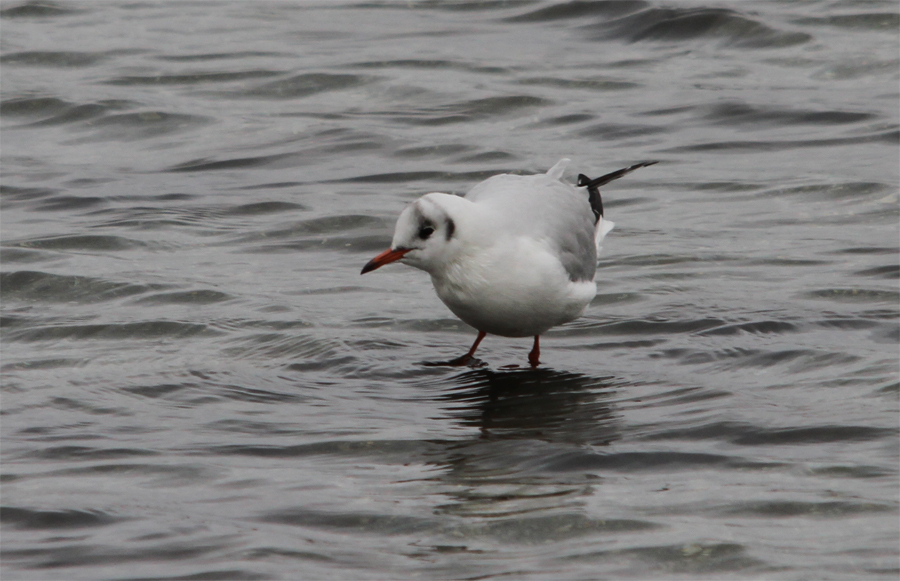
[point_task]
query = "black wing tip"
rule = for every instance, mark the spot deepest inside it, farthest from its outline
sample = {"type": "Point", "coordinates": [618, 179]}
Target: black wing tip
{"type": "Point", "coordinates": [584, 181]}
{"type": "Point", "coordinates": [593, 185]}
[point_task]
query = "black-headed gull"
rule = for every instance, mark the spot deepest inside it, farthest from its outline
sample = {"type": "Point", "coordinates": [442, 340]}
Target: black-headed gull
{"type": "Point", "coordinates": [514, 257]}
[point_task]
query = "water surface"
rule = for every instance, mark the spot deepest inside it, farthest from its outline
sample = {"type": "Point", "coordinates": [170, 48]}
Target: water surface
{"type": "Point", "coordinates": [197, 383]}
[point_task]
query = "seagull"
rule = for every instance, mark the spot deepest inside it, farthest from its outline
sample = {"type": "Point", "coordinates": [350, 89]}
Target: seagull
{"type": "Point", "coordinates": [515, 257]}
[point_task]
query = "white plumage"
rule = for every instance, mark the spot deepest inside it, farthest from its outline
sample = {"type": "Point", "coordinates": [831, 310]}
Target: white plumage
{"type": "Point", "coordinates": [516, 256]}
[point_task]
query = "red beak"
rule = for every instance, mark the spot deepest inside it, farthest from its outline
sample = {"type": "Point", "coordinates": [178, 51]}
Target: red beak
{"type": "Point", "coordinates": [386, 257]}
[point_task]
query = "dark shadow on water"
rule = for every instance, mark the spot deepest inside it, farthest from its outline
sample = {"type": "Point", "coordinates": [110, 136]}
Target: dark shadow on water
{"type": "Point", "coordinates": [540, 404]}
{"type": "Point", "coordinates": [523, 460]}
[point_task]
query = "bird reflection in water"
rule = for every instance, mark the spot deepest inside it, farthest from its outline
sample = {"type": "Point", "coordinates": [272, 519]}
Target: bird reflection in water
{"type": "Point", "coordinates": [535, 430]}
{"type": "Point", "coordinates": [540, 404]}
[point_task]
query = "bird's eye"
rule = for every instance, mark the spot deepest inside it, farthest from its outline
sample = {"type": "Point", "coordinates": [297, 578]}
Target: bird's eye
{"type": "Point", "coordinates": [425, 232]}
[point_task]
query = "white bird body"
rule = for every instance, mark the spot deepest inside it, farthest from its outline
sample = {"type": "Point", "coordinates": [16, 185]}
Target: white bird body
{"type": "Point", "coordinates": [515, 257]}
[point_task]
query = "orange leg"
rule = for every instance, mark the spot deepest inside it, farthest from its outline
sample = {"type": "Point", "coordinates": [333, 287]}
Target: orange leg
{"type": "Point", "coordinates": [468, 356]}
{"type": "Point", "coordinates": [481, 335]}
{"type": "Point", "coordinates": [534, 356]}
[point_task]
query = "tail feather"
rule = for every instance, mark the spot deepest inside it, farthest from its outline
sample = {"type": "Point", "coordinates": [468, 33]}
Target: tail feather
{"type": "Point", "coordinates": [602, 229]}
{"type": "Point", "coordinates": [593, 186]}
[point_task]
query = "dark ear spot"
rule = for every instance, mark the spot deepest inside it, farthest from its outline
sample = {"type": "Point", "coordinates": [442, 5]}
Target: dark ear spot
{"type": "Point", "coordinates": [451, 228]}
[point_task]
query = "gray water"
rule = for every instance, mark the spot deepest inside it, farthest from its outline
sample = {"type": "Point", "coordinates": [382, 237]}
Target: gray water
{"type": "Point", "coordinates": [198, 384]}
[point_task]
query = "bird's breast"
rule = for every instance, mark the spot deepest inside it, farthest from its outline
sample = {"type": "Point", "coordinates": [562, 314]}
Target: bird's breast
{"type": "Point", "coordinates": [515, 290]}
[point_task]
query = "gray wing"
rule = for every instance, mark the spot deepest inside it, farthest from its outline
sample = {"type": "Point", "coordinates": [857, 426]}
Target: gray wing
{"type": "Point", "coordinates": [546, 208]}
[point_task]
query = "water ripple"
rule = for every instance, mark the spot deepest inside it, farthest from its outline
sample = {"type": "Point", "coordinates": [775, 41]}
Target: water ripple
{"type": "Point", "coordinates": [731, 28]}
{"type": "Point", "coordinates": [198, 384]}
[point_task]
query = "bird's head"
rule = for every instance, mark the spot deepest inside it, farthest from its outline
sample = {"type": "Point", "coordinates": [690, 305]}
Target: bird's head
{"type": "Point", "coordinates": [425, 236]}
